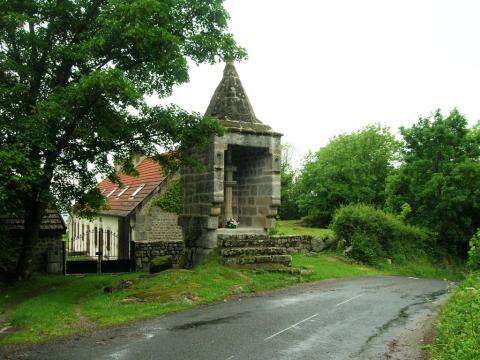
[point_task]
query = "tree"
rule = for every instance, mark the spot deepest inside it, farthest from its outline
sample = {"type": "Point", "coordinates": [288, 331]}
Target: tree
{"type": "Point", "coordinates": [73, 78]}
{"type": "Point", "coordinates": [352, 168]}
{"type": "Point", "coordinates": [288, 209]}
{"type": "Point", "coordinates": [440, 178]}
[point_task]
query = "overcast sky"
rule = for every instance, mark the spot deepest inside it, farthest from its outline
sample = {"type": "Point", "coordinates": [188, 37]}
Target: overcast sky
{"type": "Point", "coordinates": [318, 68]}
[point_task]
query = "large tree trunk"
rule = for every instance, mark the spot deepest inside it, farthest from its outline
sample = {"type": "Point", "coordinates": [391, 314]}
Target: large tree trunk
{"type": "Point", "coordinates": [33, 218]}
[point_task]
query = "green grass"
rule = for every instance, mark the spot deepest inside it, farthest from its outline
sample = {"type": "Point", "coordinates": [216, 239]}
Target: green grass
{"type": "Point", "coordinates": [426, 268]}
{"type": "Point", "coordinates": [295, 227]}
{"type": "Point", "coordinates": [458, 329]}
{"type": "Point", "coordinates": [418, 266]}
{"type": "Point", "coordinates": [50, 306]}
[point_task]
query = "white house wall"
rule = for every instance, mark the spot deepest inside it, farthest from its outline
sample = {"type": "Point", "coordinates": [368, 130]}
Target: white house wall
{"type": "Point", "coordinates": [82, 236]}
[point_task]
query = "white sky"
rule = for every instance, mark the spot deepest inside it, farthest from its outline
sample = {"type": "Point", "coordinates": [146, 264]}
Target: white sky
{"type": "Point", "coordinates": [318, 68]}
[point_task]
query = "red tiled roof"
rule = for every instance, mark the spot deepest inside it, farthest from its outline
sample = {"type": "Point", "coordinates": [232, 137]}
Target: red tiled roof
{"type": "Point", "coordinates": [150, 175]}
{"type": "Point", "coordinates": [52, 220]}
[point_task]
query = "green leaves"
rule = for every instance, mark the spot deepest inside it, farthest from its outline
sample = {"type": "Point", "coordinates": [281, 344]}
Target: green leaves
{"type": "Point", "coordinates": [351, 168]}
{"type": "Point", "coordinates": [439, 178]}
{"type": "Point", "coordinates": [74, 75]}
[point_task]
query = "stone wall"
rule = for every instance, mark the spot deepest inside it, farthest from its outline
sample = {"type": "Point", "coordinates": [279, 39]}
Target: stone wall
{"type": "Point", "coordinates": [294, 244]}
{"type": "Point", "coordinates": [253, 191]}
{"type": "Point", "coordinates": [144, 253]}
{"type": "Point", "coordinates": [156, 225]}
{"type": "Point", "coordinates": [47, 253]}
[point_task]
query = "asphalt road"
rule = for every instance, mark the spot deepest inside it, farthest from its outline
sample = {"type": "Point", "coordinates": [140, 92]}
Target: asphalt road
{"type": "Point", "coordinates": [344, 319]}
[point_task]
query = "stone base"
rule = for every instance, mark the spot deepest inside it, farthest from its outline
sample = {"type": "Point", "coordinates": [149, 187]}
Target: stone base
{"type": "Point", "coordinates": [144, 253]}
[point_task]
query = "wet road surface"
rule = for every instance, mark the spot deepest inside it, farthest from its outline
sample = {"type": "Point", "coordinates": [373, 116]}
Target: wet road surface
{"type": "Point", "coordinates": [342, 319]}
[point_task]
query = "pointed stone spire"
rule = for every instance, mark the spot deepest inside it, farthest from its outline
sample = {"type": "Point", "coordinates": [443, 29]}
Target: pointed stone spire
{"type": "Point", "coordinates": [230, 101]}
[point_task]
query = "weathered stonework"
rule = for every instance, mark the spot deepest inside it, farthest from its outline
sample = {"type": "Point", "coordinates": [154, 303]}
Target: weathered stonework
{"type": "Point", "coordinates": [260, 249]}
{"type": "Point", "coordinates": [240, 176]}
{"type": "Point", "coordinates": [155, 225]}
{"type": "Point", "coordinates": [47, 253]}
{"type": "Point", "coordinates": [146, 252]}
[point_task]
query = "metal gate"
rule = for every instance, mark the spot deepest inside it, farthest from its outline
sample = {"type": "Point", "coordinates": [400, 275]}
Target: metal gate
{"type": "Point", "coordinates": [95, 251]}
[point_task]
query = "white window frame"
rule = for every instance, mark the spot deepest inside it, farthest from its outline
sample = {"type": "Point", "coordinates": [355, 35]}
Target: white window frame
{"type": "Point", "coordinates": [140, 188]}
{"type": "Point", "coordinates": [123, 191]}
{"type": "Point", "coordinates": [111, 192]}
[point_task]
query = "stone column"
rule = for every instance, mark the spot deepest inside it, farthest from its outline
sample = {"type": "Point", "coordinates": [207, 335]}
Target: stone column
{"type": "Point", "coordinates": [229, 183]}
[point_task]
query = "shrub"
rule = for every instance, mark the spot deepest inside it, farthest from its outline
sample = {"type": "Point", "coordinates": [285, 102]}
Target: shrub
{"type": "Point", "coordinates": [474, 252]}
{"type": "Point", "coordinates": [458, 330]}
{"type": "Point", "coordinates": [373, 235]}
{"type": "Point", "coordinates": [171, 199]}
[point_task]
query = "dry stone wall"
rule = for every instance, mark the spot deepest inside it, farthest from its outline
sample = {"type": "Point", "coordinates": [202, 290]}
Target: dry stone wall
{"type": "Point", "coordinates": [146, 252]}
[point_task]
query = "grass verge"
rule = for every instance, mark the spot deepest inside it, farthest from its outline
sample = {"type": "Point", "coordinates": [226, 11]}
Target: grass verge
{"type": "Point", "coordinates": [50, 306]}
{"type": "Point", "coordinates": [458, 329]}
{"type": "Point", "coordinates": [295, 227]}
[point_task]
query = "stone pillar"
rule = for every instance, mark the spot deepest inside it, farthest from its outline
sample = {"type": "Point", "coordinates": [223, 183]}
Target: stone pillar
{"type": "Point", "coordinates": [229, 183]}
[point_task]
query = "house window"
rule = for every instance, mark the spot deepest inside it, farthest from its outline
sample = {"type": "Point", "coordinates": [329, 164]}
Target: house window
{"type": "Point", "coordinates": [73, 230]}
{"type": "Point", "coordinates": [95, 237]}
{"type": "Point", "coordinates": [123, 191]}
{"type": "Point", "coordinates": [88, 239]}
{"type": "Point", "coordinates": [111, 192]}
{"type": "Point", "coordinates": [100, 239]}
{"type": "Point", "coordinates": [138, 190]}
{"type": "Point", "coordinates": [83, 231]}
{"type": "Point", "coordinates": [109, 235]}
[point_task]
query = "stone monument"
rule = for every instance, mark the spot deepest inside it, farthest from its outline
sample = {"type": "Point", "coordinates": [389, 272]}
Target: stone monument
{"type": "Point", "coordinates": [240, 177]}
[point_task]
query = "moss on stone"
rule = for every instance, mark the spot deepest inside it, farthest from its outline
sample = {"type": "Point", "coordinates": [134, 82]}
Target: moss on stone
{"type": "Point", "coordinates": [161, 263]}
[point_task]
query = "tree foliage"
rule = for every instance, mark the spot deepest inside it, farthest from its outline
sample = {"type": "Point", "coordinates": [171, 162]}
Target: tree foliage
{"type": "Point", "coordinates": [288, 209]}
{"type": "Point", "coordinates": [373, 235]}
{"type": "Point", "coordinates": [73, 78]}
{"type": "Point", "coordinates": [440, 178]}
{"type": "Point", "coordinates": [171, 199]}
{"type": "Point", "coordinates": [352, 168]}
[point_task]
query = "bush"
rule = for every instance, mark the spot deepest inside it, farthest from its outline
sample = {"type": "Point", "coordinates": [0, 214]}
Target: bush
{"type": "Point", "coordinates": [458, 331]}
{"type": "Point", "coordinates": [474, 252]}
{"type": "Point", "coordinates": [373, 235]}
{"type": "Point", "coordinates": [171, 199]}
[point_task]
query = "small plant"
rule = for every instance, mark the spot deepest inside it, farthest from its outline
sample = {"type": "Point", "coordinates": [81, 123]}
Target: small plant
{"type": "Point", "coordinates": [232, 223]}
{"type": "Point", "coordinates": [474, 252]}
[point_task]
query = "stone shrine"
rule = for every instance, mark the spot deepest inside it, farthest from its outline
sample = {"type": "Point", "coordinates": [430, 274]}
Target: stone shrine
{"type": "Point", "coordinates": [240, 179]}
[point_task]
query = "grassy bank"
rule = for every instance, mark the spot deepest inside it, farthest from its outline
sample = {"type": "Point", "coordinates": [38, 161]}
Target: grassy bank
{"type": "Point", "coordinates": [419, 266]}
{"type": "Point", "coordinates": [51, 306]}
{"type": "Point", "coordinates": [458, 330]}
{"type": "Point", "coordinates": [295, 227]}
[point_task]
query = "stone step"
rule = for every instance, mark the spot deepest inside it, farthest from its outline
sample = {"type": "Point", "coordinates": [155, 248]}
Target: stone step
{"type": "Point", "coordinates": [241, 231]}
{"type": "Point", "coordinates": [260, 259]}
{"type": "Point", "coordinates": [253, 251]}
{"type": "Point", "coordinates": [248, 241]}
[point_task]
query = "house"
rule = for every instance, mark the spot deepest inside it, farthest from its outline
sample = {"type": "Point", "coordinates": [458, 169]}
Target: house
{"type": "Point", "coordinates": [47, 252]}
{"type": "Point", "coordinates": [129, 218]}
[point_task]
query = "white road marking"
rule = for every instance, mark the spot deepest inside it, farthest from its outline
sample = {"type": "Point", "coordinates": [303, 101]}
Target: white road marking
{"type": "Point", "coordinates": [414, 278]}
{"type": "Point", "coordinates": [231, 357]}
{"type": "Point", "coordinates": [290, 327]}
{"type": "Point", "coordinates": [346, 301]}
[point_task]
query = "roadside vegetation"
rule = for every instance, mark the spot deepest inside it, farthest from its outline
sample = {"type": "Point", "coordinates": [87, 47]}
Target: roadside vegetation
{"type": "Point", "coordinates": [458, 329]}
{"type": "Point", "coordinates": [46, 307]}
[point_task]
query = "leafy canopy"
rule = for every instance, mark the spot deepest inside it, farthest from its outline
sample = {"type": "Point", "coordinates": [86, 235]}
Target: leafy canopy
{"type": "Point", "coordinates": [440, 178]}
{"type": "Point", "coordinates": [288, 209]}
{"type": "Point", "coordinates": [73, 79]}
{"type": "Point", "coordinates": [352, 168]}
